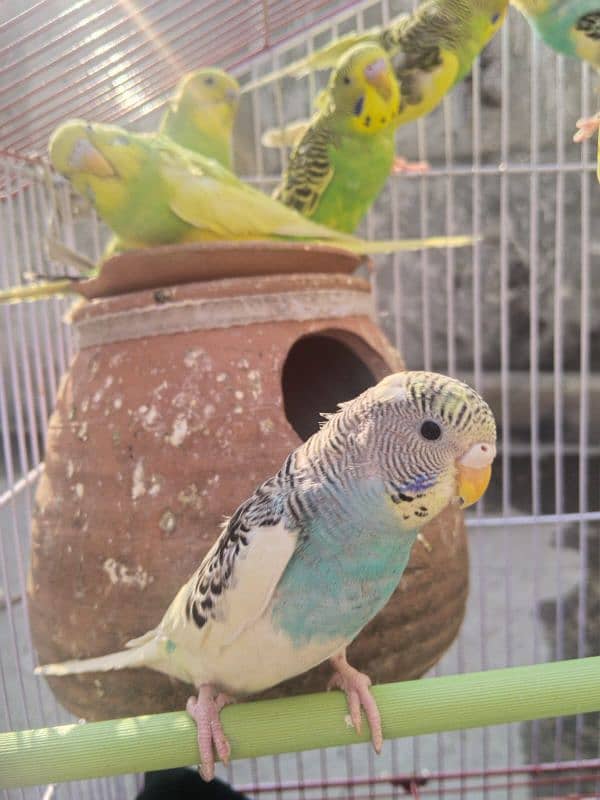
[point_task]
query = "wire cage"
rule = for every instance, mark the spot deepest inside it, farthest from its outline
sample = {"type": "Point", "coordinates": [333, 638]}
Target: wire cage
{"type": "Point", "coordinates": [514, 315]}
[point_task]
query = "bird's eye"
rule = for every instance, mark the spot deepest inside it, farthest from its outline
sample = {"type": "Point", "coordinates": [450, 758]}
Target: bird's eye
{"type": "Point", "coordinates": [209, 81]}
{"type": "Point", "coordinates": [495, 18]}
{"type": "Point", "coordinates": [121, 141]}
{"type": "Point", "coordinates": [430, 430]}
{"type": "Point", "coordinates": [347, 79]}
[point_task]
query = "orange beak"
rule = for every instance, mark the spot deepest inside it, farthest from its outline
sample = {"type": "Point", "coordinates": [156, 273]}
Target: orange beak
{"type": "Point", "coordinates": [474, 471]}
{"type": "Point", "coordinates": [378, 75]}
{"type": "Point", "coordinates": [472, 483]}
{"type": "Point", "coordinates": [85, 158]}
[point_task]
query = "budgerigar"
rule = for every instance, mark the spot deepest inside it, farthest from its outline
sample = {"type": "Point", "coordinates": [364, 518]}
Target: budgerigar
{"type": "Point", "coordinates": [201, 113]}
{"type": "Point", "coordinates": [200, 117]}
{"type": "Point", "coordinates": [432, 49]}
{"type": "Point", "coordinates": [571, 27]}
{"type": "Point", "coordinates": [152, 192]}
{"type": "Point", "coordinates": [340, 164]}
{"type": "Point", "coordinates": [317, 551]}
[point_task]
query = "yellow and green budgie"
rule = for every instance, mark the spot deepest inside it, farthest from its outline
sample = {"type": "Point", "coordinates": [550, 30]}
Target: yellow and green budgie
{"type": "Point", "coordinates": [571, 27]}
{"type": "Point", "coordinates": [201, 113]}
{"type": "Point", "coordinates": [343, 159]}
{"type": "Point", "coordinates": [199, 116]}
{"type": "Point", "coordinates": [432, 49]}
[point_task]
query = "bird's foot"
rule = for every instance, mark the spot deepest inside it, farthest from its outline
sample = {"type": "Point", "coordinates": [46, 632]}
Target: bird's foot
{"type": "Point", "coordinates": [356, 685]}
{"type": "Point", "coordinates": [587, 127]}
{"type": "Point", "coordinates": [402, 166]}
{"type": "Point", "coordinates": [204, 710]}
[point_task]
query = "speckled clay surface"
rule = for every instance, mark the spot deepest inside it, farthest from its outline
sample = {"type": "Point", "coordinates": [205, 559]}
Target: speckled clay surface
{"type": "Point", "coordinates": [169, 416]}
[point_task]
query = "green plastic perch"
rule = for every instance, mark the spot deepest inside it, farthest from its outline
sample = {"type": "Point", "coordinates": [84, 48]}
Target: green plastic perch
{"type": "Point", "coordinates": [138, 744]}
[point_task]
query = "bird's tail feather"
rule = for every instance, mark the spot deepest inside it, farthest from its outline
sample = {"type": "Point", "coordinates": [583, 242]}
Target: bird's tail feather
{"type": "Point", "coordinates": [136, 655]}
{"type": "Point", "coordinates": [324, 58]}
{"type": "Point", "coordinates": [367, 247]}
{"type": "Point", "coordinates": [36, 291]}
{"type": "Point", "coordinates": [285, 137]}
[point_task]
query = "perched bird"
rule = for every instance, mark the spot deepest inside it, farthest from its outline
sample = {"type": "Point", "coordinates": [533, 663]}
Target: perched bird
{"type": "Point", "coordinates": [343, 159]}
{"type": "Point", "coordinates": [152, 192]}
{"type": "Point", "coordinates": [200, 117]}
{"type": "Point", "coordinates": [571, 27]}
{"type": "Point", "coordinates": [201, 113]}
{"type": "Point", "coordinates": [432, 49]}
{"type": "Point", "coordinates": [317, 550]}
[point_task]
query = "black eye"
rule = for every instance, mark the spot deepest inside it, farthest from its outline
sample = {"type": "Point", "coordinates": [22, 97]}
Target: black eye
{"type": "Point", "coordinates": [495, 18]}
{"type": "Point", "coordinates": [209, 81]}
{"type": "Point", "coordinates": [346, 79]}
{"type": "Point", "coordinates": [430, 430]}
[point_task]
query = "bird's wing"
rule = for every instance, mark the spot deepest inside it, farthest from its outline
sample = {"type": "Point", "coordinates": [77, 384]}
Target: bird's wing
{"type": "Point", "coordinates": [210, 198]}
{"type": "Point", "coordinates": [309, 171]}
{"type": "Point", "coordinates": [234, 584]}
{"type": "Point", "coordinates": [217, 202]}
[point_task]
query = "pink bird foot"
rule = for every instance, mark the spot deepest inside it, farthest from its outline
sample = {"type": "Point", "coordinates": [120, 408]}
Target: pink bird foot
{"type": "Point", "coordinates": [204, 710]}
{"type": "Point", "coordinates": [587, 127]}
{"type": "Point", "coordinates": [356, 685]}
{"type": "Point", "coordinates": [402, 166]}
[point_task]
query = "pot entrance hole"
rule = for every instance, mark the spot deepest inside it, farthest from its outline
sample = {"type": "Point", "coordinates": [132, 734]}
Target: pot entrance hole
{"type": "Point", "coordinates": [322, 370]}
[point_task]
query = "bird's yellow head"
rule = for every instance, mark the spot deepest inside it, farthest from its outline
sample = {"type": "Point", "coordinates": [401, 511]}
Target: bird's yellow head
{"type": "Point", "coordinates": [435, 440]}
{"type": "Point", "coordinates": [206, 93]}
{"type": "Point", "coordinates": [100, 161]}
{"type": "Point", "coordinates": [363, 91]}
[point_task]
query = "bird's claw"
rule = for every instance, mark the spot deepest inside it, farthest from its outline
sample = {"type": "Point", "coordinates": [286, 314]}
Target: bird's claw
{"type": "Point", "coordinates": [205, 710]}
{"type": "Point", "coordinates": [402, 166]}
{"type": "Point", "coordinates": [355, 686]}
{"type": "Point", "coordinates": [587, 127]}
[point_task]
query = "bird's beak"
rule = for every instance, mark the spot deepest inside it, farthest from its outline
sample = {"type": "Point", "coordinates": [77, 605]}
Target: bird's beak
{"type": "Point", "coordinates": [232, 96]}
{"type": "Point", "coordinates": [377, 74]}
{"type": "Point", "coordinates": [86, 158]}
{"type": "Point", "coordinates": [474, 471]}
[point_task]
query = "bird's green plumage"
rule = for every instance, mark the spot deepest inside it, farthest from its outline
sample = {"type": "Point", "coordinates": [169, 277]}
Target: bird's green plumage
{"type": "Point", "coordinates": [201, 113]}
{"type": "Point", "coordinates": [344, 158]}
{"type": "Point", "coordinates": [571, 27]}
{"type": "Point", "coordinates": [434, 48]}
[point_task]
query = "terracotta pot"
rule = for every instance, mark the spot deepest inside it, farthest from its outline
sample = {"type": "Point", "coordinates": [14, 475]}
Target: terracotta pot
{"type": "Point", "coordinates": [177, 404]}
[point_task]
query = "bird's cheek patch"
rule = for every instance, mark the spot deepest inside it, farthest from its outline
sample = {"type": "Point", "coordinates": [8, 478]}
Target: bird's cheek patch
{"type": "Point", "coordinates": [358, 106]}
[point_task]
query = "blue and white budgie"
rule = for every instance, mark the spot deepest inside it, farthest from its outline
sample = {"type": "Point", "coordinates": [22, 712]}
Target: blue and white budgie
{"type": "Point", "coordinates": [317, 550]}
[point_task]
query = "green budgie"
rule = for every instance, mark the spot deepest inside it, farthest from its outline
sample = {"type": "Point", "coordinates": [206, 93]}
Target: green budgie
{"type": "Point", "coordinates": [201, 113]}
{"type": "Point", "coordinates": [343, 159]}
{"type": "Point", "coordinates": [199, 116]}
{"type": "Point", "coordinates": [432, 49]}
{"type": "Point", "coordinates": [571, 27]}
{"type": "Point", "coordinates": [317, 551]}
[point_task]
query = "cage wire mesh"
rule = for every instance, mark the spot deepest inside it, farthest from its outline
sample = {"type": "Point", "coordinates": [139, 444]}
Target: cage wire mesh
{"type": "Point", "coordinates": [514, 315]}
